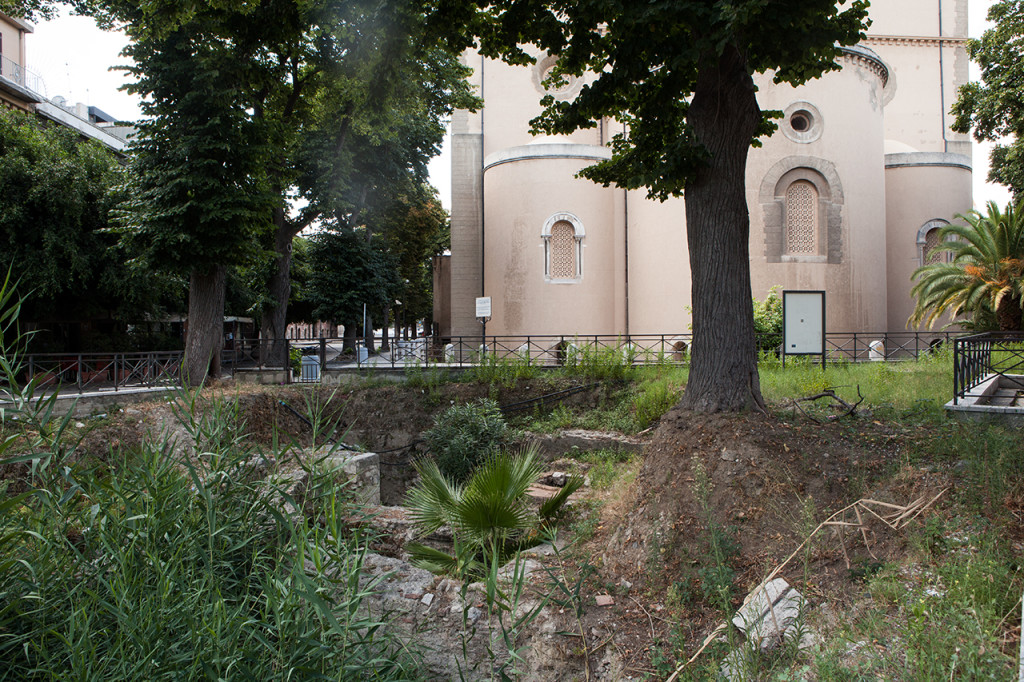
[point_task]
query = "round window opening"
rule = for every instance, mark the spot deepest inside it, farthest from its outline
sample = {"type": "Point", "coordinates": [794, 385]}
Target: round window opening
{"type": "Point", "coordinates": [800, 121]}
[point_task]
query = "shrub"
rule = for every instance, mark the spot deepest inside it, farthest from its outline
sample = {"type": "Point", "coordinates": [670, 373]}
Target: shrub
{"type": "Point", "coordinates": [465, 436]}
{"type": "Point", "coordinates": [768, 321]}
{"type": "Point", "coordinates": [491, 516]}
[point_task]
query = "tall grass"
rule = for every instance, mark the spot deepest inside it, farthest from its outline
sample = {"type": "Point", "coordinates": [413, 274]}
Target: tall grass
{"type": "Point", "coordinates": [919, 387]}
{"type": "Point", "coordinates": [158, 564]}
{"type": "Point", "coordinates": [176, 560]}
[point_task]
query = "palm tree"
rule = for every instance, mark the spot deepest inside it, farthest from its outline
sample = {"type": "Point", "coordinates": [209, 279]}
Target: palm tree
{"type": "Point", "coordinates": [984, 278]}
{"type": "Point", "coordinates": [490, 516]}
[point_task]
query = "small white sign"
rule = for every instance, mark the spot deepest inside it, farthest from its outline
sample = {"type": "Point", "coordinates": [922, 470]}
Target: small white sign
{"type": "Point", "coordinates": [483, 306]}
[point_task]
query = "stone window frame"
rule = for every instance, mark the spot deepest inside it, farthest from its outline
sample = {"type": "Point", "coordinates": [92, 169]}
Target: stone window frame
{"type": "Point", "coordinates": [772, 197]}
{"type": "Point", "coordinates": [808, 113]}
{"type": "Point", "coordinates": [813, 243]}
{"type": "Point", "coordinates": [579, 233]}
{"type": "Point", "coordinates": [922, 240]}
{"type": "Point", "coordinates": [568, 91]}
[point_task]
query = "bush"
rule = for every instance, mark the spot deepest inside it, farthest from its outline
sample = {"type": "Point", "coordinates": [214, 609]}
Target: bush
{"type": "Point", "coordinates": [465, 436]}
{"type": "Point", "coordinates": [768, 321]}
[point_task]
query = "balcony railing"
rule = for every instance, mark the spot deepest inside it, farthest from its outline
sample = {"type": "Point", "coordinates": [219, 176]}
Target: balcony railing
{"type": "Point", "coordinates": [19, 75]}
{"type": "Point", "coordinates": [980, 357]}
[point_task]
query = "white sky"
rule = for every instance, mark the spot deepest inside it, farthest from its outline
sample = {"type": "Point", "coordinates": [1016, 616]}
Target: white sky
{"type": "Point", "coordinates": [73, 57]}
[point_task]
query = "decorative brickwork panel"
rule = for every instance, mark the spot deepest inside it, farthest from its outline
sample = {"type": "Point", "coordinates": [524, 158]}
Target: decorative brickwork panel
{"type": "Point", "coordinates": [931, 240]}
{"type": "Point", "coordinates": [563, 251]}
{"type": "Point", "coordinates": [801, 218]}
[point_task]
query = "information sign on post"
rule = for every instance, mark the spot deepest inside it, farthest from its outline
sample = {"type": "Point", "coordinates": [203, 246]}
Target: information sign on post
{"type": "Point", "coordinates": [483, 307]}
{"type": "Point", "coordinates": [803, 324]}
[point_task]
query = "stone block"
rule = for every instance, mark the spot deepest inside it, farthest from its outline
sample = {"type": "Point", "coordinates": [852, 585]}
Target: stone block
{"type": "Point", "coordinates": [769, 613]}
{"type": "Point", "coordinates": [359, 470]}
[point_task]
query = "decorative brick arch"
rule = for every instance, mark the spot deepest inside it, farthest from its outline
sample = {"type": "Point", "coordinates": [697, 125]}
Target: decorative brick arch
{"type": "Point", "coordinates": [823, 176]}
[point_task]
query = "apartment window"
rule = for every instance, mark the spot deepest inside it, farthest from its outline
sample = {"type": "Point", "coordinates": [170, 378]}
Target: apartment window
{"type": "Point", "coordinates": [563, 248]}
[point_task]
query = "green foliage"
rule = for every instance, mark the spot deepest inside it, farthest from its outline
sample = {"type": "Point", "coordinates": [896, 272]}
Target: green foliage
{"type": "Point", "coordinates": [199, 196]}
{"type": "Point", "coordinates": [992, 106]}
{"type": "Point", "coordinates": [716, 574]}
{"type": "Point", "coordinates": [154, 563]}
{"type": "Point", "coordinates": [768, 321]}
{"type": "Point", "coordinates": [415, 228]}
{"type": "Point", "coordinates": [347, 271]}
{"type": "Point", "coordinates": [646, 75]}
{"type": "Point", "coordinates": [503, 371]}
{"type": "Point", "coordinates": [985, 278]}
{"type": "Point", "coordinates": [56, 191]}
{"type": "Point", "coordinates": [466, 435]}
{"type": "Point", "coordinates": [491, 516]}
{"type": "Point", "coordinates": [950, 613]}
{"type": "Point", "coordinates": [914, 388]}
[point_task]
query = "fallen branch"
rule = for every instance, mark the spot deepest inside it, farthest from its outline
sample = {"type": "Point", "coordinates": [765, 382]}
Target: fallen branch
{"type": "Point", "coordinates": [829, 393]}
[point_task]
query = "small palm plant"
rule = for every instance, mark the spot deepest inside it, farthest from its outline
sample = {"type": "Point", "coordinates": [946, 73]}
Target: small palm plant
{"type": "Point", "coordinates": [985, 275]}
{"type": "Point", "coordinates": [491, 516]}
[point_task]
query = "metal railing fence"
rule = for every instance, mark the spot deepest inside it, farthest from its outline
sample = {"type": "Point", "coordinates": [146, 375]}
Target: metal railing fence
{"type": "Point", "coordinates": [979, 357]}
{"type": "Point", "coordinates": [15, 72]}
{"type": "Point", "coordinates": [556, 350]}
{"type": "Point", "coordinates": [106, 371]}
{"type": "Point", "coordinates": [103, 371]}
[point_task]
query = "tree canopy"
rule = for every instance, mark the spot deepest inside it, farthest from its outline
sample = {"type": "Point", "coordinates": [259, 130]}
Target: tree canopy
{"type": "Point", "coordinates": [347, 270]}
{"type": "Point", "coordinates": [256, 105]}
{"type": "Point", "coordinates": [994, 107]}
{"type": "Point", "coordinates": [56, 192]}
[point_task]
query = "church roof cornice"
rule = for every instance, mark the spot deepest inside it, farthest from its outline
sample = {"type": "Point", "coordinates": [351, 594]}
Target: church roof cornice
{"type": "Point", "coordinates": [914, 40]}
{"type": "Point", "coordinates": [866, 57]}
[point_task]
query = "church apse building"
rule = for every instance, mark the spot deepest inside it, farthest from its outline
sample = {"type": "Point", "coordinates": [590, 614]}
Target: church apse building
{"type": "Point", "coordinates": [846, 197]}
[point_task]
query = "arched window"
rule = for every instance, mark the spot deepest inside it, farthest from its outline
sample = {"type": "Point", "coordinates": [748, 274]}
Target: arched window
{"type": "Point", "coordinates": [563, 248]}
{"type": "Point", "coordinates": [802, 201]}
{"type": "Point", "coordinates": [802, 218]}
{"type": "Point", "coordinates": [928, 239]}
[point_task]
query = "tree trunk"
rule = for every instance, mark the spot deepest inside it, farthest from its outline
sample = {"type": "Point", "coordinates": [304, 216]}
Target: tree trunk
{"type": "Point", "coordinates": [368, 332]}
{"type": "Point", "coordinates": [349, 336]}
{"type": "Point", "coordinates": [385, 345]}
{"type": "Point", "coordinates": [205, 326]}
{"type": "Point", "coordinates": [1009, 314]}
{"type": "Point", "coordinates": [724, 115]}
{"type": "Point", "coordinates": [274, 349]}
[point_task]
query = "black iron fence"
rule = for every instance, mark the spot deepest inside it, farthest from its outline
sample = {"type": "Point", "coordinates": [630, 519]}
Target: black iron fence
{"type": "Point", "coordinates": [112, 371]}
{"type": "Point", "coordinates": [557, 350]}
{"type": "Point", "coordinates": [103, 371]}
{"type": "Point", "coordinates": [980, 357]}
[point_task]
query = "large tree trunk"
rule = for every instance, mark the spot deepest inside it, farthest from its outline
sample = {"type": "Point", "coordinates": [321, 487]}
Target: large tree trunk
{"type": "Point", "coordinates": [205, 325]}
{"type": "Point", "coordinates": [274, 349]}
{"type": "Point", "coordinates": [349, 335]}
{"type": "Point", "coordinates": [724, 115]}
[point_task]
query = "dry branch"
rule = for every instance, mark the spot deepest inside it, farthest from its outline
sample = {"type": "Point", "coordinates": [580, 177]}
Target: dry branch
{"type": "Point", "coordinates": [829, 393]}
{"type": "Point", "coordinates": [905, 514]}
